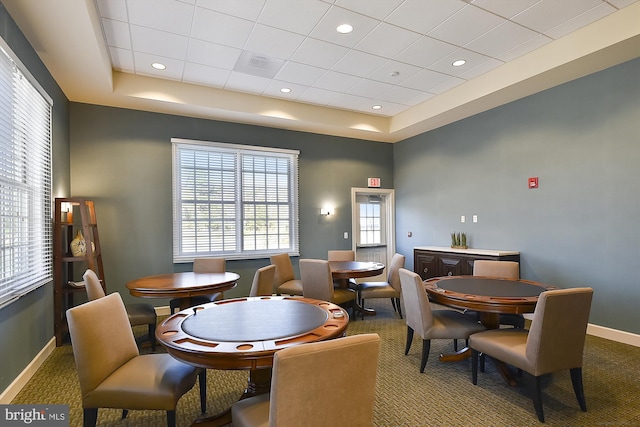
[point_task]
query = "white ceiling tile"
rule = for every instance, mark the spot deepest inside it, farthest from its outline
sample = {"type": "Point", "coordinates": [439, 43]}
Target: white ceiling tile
{"type": "Point", "coordinates": [326, 28]}
{"type": "Point", "coordinates": [113, 9]}
{"type": "Point", "coordinates": [337, 82]}
{"type": "Point", "coordinates": [401, 95]}
{"type": "Point", "coordinates": [386, 73]}
{"type": "Point", "coordinates": [425, 80]}
{"type": "Point", "coordinates": [505, 8]}
{"type": "Point", "coordinates": [245, 9]}
{"type": "Point", "coordinates": [117, 33]}
{"type": "Point", "coordinates": [156, 42]}
{"type": "Point", "coordinates": [204, 75]}
{"type": "Point", "coordinates": [501, 39]}
{"type": "Point", "coordinates": [164, 15]}
{"type": "Point", "coordinates": [143, 61]}
{"type": "Point", "coordinates": [358, 63]}
{"type": "Point", "coordinates": [379, 9]}
{"type": "Point", "coordinates": [387, 40]}
{"type": "Point", "coordinates": [299, 17]}
{"type": "Point", "coordinates": [319, 53]}
{"type": "Point", "coordinates": [122, 59]}
{"type": "Point", "coordinates": [581, 20]}
{"type": "Point", "coordinates": [273, 42]}
{"type": "Point", "coordinates": [318, 96]}
{"type": "Point", "coordinates": [352, 102]}
{"type": "Point", "coordinates": [425, 52]}
{"type": "Point", "coordinates": [449, 84]}
{"type": "Point", "coordinates": [547, 14]}
{"type": "Point", "coordinates": [274, 90]}
{"type": "Point", "coordinates": [388, 109]}
{"type": "Point", "coordinates": [524, 48]}
{"type": "Point", "coordinates": [246, 83]}
{"type": "Point", "coordinates": [302, 74]}
{"type": "Point", "coordinates": [222, 29]}
{"type": "Point", "coordinates": [212, 55]}
{"type": "Point", "coordinates": [444, 65]}
{"type": "Point", "coordinates": [481, 68]}
{"type": "Point", "coordinates": [423, 16]}
{"type": "Point", "coordinates": [465, 25]}
{"type": "Point", "coordinates": [622, 3]}
{"type": "Point", "coordinates": [369, 89]}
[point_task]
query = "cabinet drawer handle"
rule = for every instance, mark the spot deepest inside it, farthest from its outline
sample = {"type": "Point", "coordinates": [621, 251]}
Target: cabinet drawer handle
{"type": "Point", "coordinates": [426, 270]}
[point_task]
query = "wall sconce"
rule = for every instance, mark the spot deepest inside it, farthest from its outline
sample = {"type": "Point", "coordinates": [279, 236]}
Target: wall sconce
{"type": "Point", "coordinates": [326, 210]}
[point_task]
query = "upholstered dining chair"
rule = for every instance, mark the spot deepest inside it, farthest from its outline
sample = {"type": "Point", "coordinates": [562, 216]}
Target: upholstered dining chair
{"type": "Point", "coordinates": [343, 255]}
{"type": "Point", "coordinates": [263, 281]}
{"type": "Point", "coordinates": [203, 265]}
{"type": "Point", "coordinates": [284, 280]}
{"type": "Point", "coordinates": [111, 371]}
{"type": "Point", "coordinates": [502, 270]}
{"type": "Point", "coordinates": [317, 283]}
{"type": "Point", "coordinates": [389, 289]}
{"type": "Point", "coordinates": [430, 324]}
{"type": "Point", "coordinates": [138, 313]}
{"type": "Point", "coordinates": [554, 342]}
{"type": "Point", "coordinates": [327, 383]}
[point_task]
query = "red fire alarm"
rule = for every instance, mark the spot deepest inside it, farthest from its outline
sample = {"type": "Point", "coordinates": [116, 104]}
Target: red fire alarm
{"type": "Point", "coordinates": [533, 182]}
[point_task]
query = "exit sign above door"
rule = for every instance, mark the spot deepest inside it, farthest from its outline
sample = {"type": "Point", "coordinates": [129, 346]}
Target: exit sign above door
{"type": "Point", "coordinates": [374, 182]}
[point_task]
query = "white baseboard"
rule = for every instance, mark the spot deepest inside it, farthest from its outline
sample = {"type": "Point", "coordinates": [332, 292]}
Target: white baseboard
{"type": "Point", "coordinates": [21, 380]}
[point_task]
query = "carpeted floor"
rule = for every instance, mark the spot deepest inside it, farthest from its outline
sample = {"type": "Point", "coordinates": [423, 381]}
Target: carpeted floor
{"type": "Point", "coordinates": [442, 396]}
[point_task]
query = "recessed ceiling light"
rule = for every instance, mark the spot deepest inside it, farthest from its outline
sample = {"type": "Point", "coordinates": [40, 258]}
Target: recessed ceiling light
{"type": "Point", "coordinates": [377, 107]}
{"type": "Point", "coordinates": [394, 73]}
{"type": "Point", "coordinates": [285, 90]}
{"type": "Point", "coordinates": [459, 62]}
{"type": "Point", "coordinates": [158, 66]}
{"type": "Point", "coordinates": [344, 28]}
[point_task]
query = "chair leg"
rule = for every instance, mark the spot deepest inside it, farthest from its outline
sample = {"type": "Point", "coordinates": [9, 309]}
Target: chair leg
{"type": "Point", "coordinates": [576, 380]}
{"type": "Point", "coordinates": [483, 357]}
{"type": "Point", "coordinates": [409, 340]}
{"type": "Point", "coordinates": [399, 307]}
{"type": "Point", "coordinates": [426, 346]}
{"type": "Point", "coordinates": [361, 308]}
{"type": "Point", "coordinates": [474, 366]}
{"type": "Point", "coordinates": [536, 391]}
{"type": "Point", "coordinates": [202, 383]}
{"type": "Point", "coordinates": [455, 345]}
{"type": "Point", "coordinates": [171, 418]}
{"type": "Point", "coordinates": [90, 417]}
{"type": "Point", "coordinates": [152, 336]}
{"type": "Point", "coordinates": [124, 413]}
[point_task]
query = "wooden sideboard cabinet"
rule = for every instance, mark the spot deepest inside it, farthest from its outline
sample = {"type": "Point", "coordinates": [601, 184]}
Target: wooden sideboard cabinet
{"type": "Point", "coordinates": [436, 261]}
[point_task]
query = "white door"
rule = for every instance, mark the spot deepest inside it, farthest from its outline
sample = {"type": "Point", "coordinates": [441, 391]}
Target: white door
{"type": "Point", "coordinates": [373, 227]}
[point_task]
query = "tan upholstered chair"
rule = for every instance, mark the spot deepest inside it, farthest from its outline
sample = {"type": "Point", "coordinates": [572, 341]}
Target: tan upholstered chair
{"type": "Point", "coordinates": [503, 270]}
{"type": "Point", "coordinates": [317, 283]}
{"type": "Point", "coordinates": [284, 281]}
{"type": "Point", "coordinates": [113, 374]}
{"type": "Point", "coordinates": [341, 255]}
{"type": "Point", "coordinates": [554, 343]}
{"type": "Point", "coordinates": [263, 281]}
{"type": "Point", "coordinates": [328, 383]}
{"type": "Point", "coordinates": [138, 313]}
{"type": "Point", "coordinates": [203, 265]}
{"type": "Point", "coordinates": [389, 289]}
{"type": "Point", "coordinates": [436, 324]}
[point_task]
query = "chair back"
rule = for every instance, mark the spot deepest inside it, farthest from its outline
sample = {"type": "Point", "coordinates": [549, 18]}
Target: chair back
{"type": "Point", "coordinates": [501, 269]}
{"type": "Point", "coordinates": [416, 302]}
{"type": "Point", "coordinates": [284, 270]}
{"type": "Point", "coordinates": [209, 265]}
{"type": "Point", "coordinates": [325, 383]}
{"type": "Point", "coordinates": [558, 330]}
{"type": "Point", "coordinates": [263, 281]}
{"type": "Point", "coordinates": [393, 278]}
{"type": "Point", "coordinates": [92, 285]}
{"type": "Point", "coordinates": [317, 283]}
{"type": "Point", "coordinates": [339, 255]}
{"type": "Point", "coordinates": [101, 338]}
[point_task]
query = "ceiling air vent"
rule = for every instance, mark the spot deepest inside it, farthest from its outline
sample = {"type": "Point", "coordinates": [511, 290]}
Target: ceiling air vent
{"type": "Point", "coordinates": [258, 65]}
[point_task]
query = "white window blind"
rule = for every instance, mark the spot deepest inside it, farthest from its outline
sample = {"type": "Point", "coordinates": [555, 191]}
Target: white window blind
{"type": "Point", "coordinates": [25, 181]}
{"type": "Point", "coordinates": [233, 201]}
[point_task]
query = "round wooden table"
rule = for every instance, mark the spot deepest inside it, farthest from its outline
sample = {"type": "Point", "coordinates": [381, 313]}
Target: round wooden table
{"type": "Point", "coordinates": [342, 271]}
{"type": "Point", "coordinates": [490, 296]}
{"type": "Point", "coordinates": [182, 285]}
{"type": "Point", "coordinates": [244, 333]}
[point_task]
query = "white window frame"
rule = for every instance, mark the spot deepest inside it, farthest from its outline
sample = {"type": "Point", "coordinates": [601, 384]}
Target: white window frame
{"type": "Point", "coordinates": [26, 241]}
{"type": "Point", "coordinates": [192, 237]}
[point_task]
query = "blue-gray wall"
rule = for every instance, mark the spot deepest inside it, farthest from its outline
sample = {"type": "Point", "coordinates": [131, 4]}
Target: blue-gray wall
{"type": "Point", "coordinates": [579, 228]}
{"type": "Point", "coordinates": [122, 160]}
{"type": "Point", "coordinates": [27, 324]}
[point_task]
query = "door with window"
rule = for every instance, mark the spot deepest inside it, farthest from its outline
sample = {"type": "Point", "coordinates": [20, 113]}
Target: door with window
{"type": "Point", "coordinates": [373, 226]}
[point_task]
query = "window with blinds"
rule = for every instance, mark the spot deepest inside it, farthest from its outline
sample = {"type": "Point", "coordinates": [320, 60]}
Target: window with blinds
{"type": "Point", "coordinates": [233, 201]}
{"type": "Point", "coordinates": [25, 181]}
{"type": "Point", "coordinates": [370, 220]}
